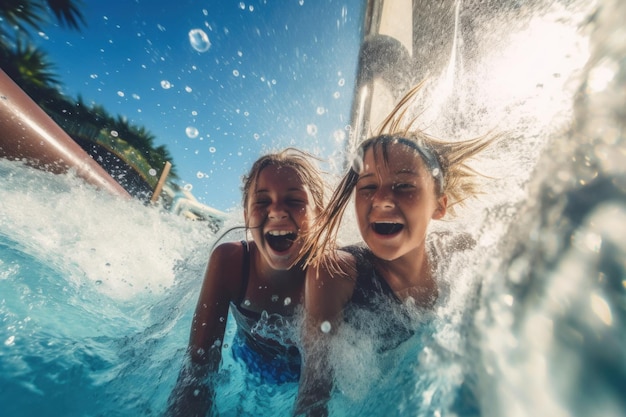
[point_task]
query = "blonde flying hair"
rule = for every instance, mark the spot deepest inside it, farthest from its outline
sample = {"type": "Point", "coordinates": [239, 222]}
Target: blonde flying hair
{"type": "Point", "coordinates": [453, 176]}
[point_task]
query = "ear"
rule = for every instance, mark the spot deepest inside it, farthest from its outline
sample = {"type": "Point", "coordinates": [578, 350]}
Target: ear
{"type": "Point", "coordinates": [442, 207]}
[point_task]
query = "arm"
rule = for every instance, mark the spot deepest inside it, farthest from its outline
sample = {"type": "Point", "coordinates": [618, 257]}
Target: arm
{"type": "Point", "coordinates": [193, 394]}
{"type": "Point", "coordinates": [325, 297]}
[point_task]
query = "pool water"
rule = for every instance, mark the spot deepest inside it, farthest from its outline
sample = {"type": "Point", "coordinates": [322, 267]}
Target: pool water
{"type": "Point", "coordinates": [96, 294]}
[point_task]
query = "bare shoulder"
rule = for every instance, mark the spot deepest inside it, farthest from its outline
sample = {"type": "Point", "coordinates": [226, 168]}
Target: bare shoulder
{"type": "Point", "coordinates": [329, 287]}
{"type": "Point", "coordinates": [227, 250]}
{"type": "Point", "coordinates": [223, 273]}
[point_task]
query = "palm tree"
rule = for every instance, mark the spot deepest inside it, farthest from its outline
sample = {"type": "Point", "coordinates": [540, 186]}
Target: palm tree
{"type": "Point", "coordinates": [30, 68]}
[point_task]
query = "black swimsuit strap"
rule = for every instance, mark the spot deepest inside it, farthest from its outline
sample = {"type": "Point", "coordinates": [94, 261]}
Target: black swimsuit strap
{"type": "Point", "coordinates": [245, 272]}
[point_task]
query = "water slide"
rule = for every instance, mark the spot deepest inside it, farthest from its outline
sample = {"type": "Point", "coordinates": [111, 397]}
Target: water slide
{"type": "Point", "coordinates": [29, 134]}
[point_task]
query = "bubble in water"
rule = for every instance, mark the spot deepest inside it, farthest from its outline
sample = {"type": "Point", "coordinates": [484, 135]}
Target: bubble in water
{"type": "Point", "coordinates": [194, 113]}
{"type": "Point", "coordinates": [242, 5]}
{"type": "Point", "coordinates": [120, 93]}
{"type": "Point", "coordinates": [114, 133]}
{"type": "Point", "coordinates": [200, 175]}
{"type": "Point", "coordinates": [256, 136]}
{"type": "Point", "coordinates": [287, 301]}
{"type": "Point", "coordinates": [93, 76]}
{"type": "Point", "coordinates": [199, 40]}
{"type": "Point", "coordinates": [165, 85]}
{"type": "Point", "coordinates": [212, 149]}
{"type": "Point", "coordinates": [191, 132]}
{"type": "Point", "coordinates": [274, 298]}
{"type": "Point", "coordinates": [10, 341]}
{"type": "Point", "coordinates": [336, 94]}
{"type": "Point", "coordinates": [188, 89]}
{"type": "Point", "coordinates": [236, 73]}
{"type": "Point", "coordinates": [325, 327]}
{"type": "Point", "coordinates": [341, 82]}
{"type": "Point", "coordinates": [188, 187]}
{"type": "Point", "coordinates": [339, 135]}
{"type": "Point", "coordinates": [311, 129]}
{"type": "Point", "coordinates": [152, 172]}
{"type": "Point", "coordinates": [320, 110]}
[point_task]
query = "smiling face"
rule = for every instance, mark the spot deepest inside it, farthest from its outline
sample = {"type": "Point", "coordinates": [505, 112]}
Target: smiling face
{"type": "Point", "coordinates": [278, 212]}
{"type": "Point", "coordinates": [395, 200]}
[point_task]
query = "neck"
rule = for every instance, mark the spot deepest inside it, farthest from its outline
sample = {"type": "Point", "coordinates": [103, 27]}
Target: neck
{"type": "Point", "coordinates": [410, 276]}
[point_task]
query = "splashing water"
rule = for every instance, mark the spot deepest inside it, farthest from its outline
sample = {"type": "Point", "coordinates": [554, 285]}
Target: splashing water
{"type": "Point", "coordinates": [96, 294]}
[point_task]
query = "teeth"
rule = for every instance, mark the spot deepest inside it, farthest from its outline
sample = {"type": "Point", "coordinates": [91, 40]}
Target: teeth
{"type": "Point", "coordinates": [279, 232]}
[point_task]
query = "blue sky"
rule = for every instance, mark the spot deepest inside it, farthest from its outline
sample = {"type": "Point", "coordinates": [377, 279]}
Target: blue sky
{"type": "Point", "coordinates": [276, 74]}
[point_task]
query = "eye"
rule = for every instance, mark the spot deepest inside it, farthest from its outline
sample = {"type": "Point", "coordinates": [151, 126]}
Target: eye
{"type": "Point", "coordinates": [366, 189]}
{"type": "Point", "coordinates": [261, 202]}
{"type": "Point", "coordinates": [296, 202]}
{"type": "Point", "coordinates": [403, 186]}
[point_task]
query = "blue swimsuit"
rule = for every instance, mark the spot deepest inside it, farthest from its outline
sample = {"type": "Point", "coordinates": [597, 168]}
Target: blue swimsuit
{"type": "Point", "coordinates": [269, 351]}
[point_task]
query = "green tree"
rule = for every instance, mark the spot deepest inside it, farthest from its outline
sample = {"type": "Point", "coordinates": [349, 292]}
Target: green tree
{"type": "Point", "coordinates": [30, 68]}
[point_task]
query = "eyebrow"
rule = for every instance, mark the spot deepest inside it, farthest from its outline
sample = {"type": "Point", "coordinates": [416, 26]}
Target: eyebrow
{"type": "Point", "coordinates": [266, 190]}
{"type": "Point", "coordinates": [406, 171]}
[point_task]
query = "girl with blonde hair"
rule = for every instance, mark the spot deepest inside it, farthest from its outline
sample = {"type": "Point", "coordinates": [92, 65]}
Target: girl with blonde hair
{"type": "Point", "coordinates": [401, 179]}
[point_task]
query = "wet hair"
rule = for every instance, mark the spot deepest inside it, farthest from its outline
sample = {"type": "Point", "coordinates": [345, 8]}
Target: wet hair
{"type": "Point", "coordinates": [301, 162]}
{"type": "Point", "coordinates": [445, 160]}
{"type": "Point", "coordinates": [306, 170]}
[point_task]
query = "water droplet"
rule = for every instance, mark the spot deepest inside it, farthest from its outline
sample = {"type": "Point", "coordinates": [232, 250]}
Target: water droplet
{"type": "Point", "coordinates": [199, 40]}
{"type": "Point", "coordinates": [191, 132]}
{"type": "Point", "coordinates": [165, 85]}
{"type": "Point", "coordinates": [10, 341]}
{"type": "Point", "coordinates": [325, 327]}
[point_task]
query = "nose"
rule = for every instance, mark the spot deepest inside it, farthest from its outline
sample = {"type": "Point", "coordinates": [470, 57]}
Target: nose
{"type": "Point", "coordinates": [383, 199]}
{"type": "Point", "coordinates": [276, 211]}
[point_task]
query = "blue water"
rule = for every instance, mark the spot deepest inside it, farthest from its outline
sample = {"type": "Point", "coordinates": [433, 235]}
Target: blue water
{"type": "Point", "coordinates": [96, 294]}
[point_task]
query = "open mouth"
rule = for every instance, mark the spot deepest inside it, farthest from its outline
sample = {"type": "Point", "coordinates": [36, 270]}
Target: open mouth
{"type": "Point", "coordinates": [280, 240]}
{"type": "Point", "coordinates": [387, 228]}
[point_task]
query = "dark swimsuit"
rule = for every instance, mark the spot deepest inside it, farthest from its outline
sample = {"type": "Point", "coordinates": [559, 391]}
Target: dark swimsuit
{"type": "Point", "coordinates": [373, 301]}
{"type": "Point", "coordinates": [272, 360]}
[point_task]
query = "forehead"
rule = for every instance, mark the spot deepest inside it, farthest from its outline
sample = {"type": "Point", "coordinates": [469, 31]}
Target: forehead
{"type": "Point", "coordinates": [393, 157]}
{"type": "Point", "coordinates": [277, 176]}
